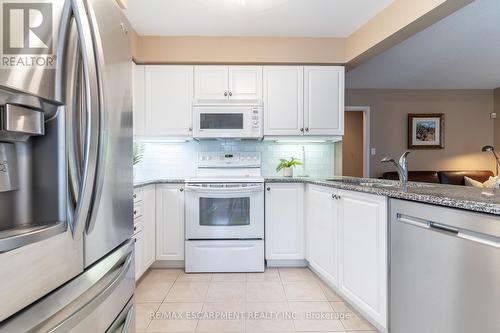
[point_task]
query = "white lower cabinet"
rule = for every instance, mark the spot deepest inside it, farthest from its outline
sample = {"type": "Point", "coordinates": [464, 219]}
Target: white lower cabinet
{"type": "Point", "coordinates": [322, 231]}
{"type": "Point", "coordinates": [139, 249]}
{"type": "Point", "coordinates": [170, 222]}
{"type": "Point", "coordinates": [284, 218]}
{"type": "Point", "coordinates": [149, 225]}
{"type": "Point", "coordinates": [346, 245]}
{"type": "Point", "coordinates": [144, 228]}
{"type": "Point", "coordinates": [363, 252]}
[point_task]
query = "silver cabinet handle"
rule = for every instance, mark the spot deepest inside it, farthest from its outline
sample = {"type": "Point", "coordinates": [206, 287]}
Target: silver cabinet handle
{"type": "Point", "coordinates": [302, 129]}
{"type": "Point", "coordinates": [230, 94]}
{"type": "Point", "coordinates": [225, 94]}
{"type": "Point", "coordinates": [92, 111]}
{"type": "Point", "coordinates": [190, 129]}
{"type": "Point", "coordinates": [307, 129]}
{"type": "Point", "coordinates": [135, 195]}
{"type": "Point", "coordinates": [268, 189]}
{"type": "Point", "coordinates": [181, 189]}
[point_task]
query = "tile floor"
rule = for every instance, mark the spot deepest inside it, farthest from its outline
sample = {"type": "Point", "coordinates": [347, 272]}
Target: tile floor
{"type": "Point", "coordinates": [278, 300]}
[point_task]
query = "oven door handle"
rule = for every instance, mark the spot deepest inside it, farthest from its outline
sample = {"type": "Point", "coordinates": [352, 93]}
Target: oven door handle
{"type": "Point", "coordinates": [246, 189]}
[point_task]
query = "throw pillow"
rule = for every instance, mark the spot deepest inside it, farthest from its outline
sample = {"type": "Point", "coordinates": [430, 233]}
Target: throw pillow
{"type": "Point", "coordinates": [490, 183]}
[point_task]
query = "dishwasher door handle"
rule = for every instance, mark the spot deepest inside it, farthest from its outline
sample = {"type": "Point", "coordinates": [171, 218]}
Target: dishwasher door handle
{"type": "Point", "coordinates": [443, 228]}
{"type": "Point", "coordinates": [415, 221]}
{"type": "Point", "coordinates": [446, 229]}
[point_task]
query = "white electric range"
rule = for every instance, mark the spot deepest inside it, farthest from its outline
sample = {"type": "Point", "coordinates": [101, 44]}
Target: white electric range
{"type": "Point", "coordinates": [225, 214]}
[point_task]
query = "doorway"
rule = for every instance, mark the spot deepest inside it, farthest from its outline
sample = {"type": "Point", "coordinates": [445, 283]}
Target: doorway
{"type": "Point", "coordinates": [355, 143]}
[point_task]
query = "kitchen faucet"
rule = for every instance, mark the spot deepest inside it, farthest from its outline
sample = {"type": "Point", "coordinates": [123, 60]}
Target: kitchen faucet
{"type": "Point", "coordinates": [401, 166]}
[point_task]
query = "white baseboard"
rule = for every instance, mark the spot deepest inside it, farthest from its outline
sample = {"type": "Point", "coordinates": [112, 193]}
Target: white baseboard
{"type": "Point", "coordinates": [286, 263]}
{"type": "Point", "coordinates": [168, 264]}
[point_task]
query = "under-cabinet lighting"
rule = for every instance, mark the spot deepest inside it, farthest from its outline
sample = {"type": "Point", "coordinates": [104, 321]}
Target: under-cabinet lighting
{"type": "Point", "coordinates": [160, 140]}
{"type": "Point", "coordinates": [299, 141]}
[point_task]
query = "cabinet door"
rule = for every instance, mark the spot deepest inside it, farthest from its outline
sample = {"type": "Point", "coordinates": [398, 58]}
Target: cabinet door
{"type": "Point", "coordinates": [324, 100]}
{"type": "Point", "coordinates": [138, 99]}
{"type": "Point", "coordinates": [170, 222]}
{"type": "Point", "coordinates": [284, 218]}
{"type": "Point", "coordinates": [149, 217]}
{"type": "Point", "coordinates": [363, 252]}
{"type": "Point", "coordinates": [322, 231]}
{"type": "Point", "coordinates": [169, 96]}
{"type": "Point", "coordinates": [138, 248]}
{"type": "Point", "coordinates": [245, 82]}
{"type": "Point", "coordinates": [211, 83]}
{"type": "Point", "coordinates": [283, 100]}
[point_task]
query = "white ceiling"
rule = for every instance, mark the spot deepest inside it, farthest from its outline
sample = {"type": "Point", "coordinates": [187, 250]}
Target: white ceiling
{"type": "Point", "coordinates": [461, 51]}
{"type": "Point", "coordinates": [291, 18]}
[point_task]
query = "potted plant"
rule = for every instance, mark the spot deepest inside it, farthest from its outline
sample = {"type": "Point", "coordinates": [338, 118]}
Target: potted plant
{"type": "Point", "coordinates": [137, 154]}
{"type": "Point", "coordinates": [287, 166]}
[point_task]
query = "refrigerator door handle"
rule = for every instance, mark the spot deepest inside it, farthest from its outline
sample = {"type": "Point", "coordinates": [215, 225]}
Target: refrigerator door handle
{"type": "Point", "coordinates": [92, 112]}
{"type": "Point", "coordinates": [87, 308]}
{"type": "Point", "coordinates": [102, 138]}
{"type": "Point", "coordinates": [123, 322]}
{"type": "Point", "coordinates": [65, 308]}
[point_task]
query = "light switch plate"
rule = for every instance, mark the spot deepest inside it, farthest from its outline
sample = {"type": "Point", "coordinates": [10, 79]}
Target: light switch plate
{"type": "Point", "coordinates": [373, 151]}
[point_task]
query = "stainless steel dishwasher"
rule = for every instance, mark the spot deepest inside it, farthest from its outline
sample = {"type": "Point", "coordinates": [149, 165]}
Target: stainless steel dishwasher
{"type": "Point", "coordinates": [444, 274]}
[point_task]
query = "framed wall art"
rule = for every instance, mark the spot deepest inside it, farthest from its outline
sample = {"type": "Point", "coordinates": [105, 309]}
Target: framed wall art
{"type": "Point", "coordinates": [426, 131]}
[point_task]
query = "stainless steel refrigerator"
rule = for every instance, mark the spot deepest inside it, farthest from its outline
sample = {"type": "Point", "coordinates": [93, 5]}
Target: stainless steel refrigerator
{"type": "Point", "coordinates": [66, 254]}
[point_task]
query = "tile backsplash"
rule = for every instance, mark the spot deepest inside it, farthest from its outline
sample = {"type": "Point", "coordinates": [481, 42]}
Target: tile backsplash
{"type": "Point", "coordinates": [178, 160]}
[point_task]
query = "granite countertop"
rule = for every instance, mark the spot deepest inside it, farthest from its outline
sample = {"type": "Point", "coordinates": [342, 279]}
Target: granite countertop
{"type": "Point", "coordinates": [468, 198]}
{"type": "Point", "coordinates": [157, 181]}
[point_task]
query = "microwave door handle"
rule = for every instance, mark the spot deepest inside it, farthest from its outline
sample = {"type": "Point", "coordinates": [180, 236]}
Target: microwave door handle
{"type": "Point", "coordinates": [91, 111]}
{"type": "Point", "coordinates": [101, 138]}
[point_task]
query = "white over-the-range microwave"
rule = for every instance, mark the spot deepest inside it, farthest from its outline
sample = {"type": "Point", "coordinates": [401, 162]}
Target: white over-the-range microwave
{"type": "Point", "coordinates": [227, 121]}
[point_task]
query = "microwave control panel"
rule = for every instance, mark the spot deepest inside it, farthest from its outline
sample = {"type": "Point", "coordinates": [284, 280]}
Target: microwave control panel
{"type": "Point", "coordinates": [256, 123]}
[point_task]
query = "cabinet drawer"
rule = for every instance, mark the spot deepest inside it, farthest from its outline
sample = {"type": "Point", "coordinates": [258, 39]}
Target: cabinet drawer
{"type": "Point", "coordinates": [225, 256]}
{"type": "Point", "coordinates": [138, 225]}
{"type": "Point", "coordinates": [137, 196]}
{"type": "Point", "coordinates": [138, 209]}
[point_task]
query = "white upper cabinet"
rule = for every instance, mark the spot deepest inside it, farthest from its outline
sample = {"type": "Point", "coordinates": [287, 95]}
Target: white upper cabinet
{"type": "Point", "coordinates": [211, 83]}
{"type": "Point", "coordinates": [284, 221]}
{"type": "Point", "coordinates": [245, 83]}
{"type": "Point", "coordinates": [283, 100]}
{"type": "Point", "coordinates": [138, 99]}
{"type": "Point", "coordinates": [222, 83]}
{"type": "Point", "coordinates": [168, 100]}
{"type": "Point", "coordinates": [322, 231]}
{"type": "Point", "coordinates": [363, 252]}
{"type": "Point", "coordinates": [324, 100]}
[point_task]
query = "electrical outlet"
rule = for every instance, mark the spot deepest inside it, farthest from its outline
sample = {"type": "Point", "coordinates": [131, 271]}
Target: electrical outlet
{"type": "Point", "coordinates": [373, 151]}
{"type": "Point", "coordinates": [493, 115]}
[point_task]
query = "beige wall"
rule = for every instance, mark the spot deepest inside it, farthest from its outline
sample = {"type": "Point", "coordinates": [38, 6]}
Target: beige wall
{"type": "Point", "coordinates": [227, 50]}
{"type": "Point", "coordinates": [400, 20]}
{"type": "Point", "coordinates": [497, 121]}
{"type": "Point", "coordinates": [467, 126]}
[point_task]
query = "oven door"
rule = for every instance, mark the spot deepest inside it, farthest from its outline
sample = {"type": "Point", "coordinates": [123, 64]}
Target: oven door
{"type": "Point", "coordinates": [225, 211]}
{"type": "Point", "coordinates": [227, 122]}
